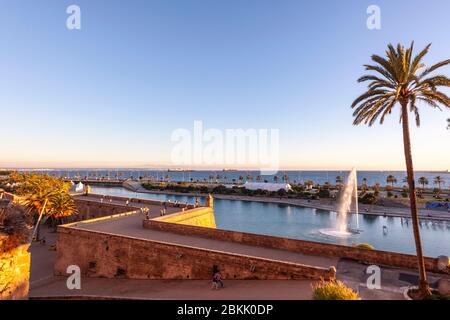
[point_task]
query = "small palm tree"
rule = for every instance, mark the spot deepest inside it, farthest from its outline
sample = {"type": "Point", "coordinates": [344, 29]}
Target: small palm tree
{"type": "Point", "coordinates": [364, 187]}
{"type": "Point", "coordinates": [309, 184]}
{"type": "Point", "coordinates": [62, 206]}
{"type": "Point", "coordinates": [391, 179]}
{"type": "Point", "coordinates": [397, 79]}
{"type": "Point", "coordinates": [423, 181]}
{"type": "Point", "coordinates": [438, 180]}
{"type": "Point", "coordinates": [339, 181]}
{"type": "Point", "coordinates": [40, 191]}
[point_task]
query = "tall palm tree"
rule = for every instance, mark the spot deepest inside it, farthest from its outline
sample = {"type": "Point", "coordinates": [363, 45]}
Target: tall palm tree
{"type": "Point", "coordinates": [401, 79]}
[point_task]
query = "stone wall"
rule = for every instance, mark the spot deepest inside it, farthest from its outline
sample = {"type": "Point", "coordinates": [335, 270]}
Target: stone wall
{"type": "Point", "coordinates": [141, 201]}
{"type": "Point", "coordinates": [14, 268]}
{"type": "Point", "coordinates": [301, 246]}
{"type": "Point", "coordinates": [201, 217]}
{"type": "Point", "coordinates": [112, 256]}
{"type": "Point", "coordinates": [91, 209]}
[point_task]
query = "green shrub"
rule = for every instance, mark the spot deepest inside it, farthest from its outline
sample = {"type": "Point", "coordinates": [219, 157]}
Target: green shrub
{"type": "Point", "coordinates": [324, 193]}
{"type": "Point", "coordinates": [368, 198]}
{"type": "Point", "coordinates": [365, 246]}
{"type": "Point", "coordinates": [333, 290]}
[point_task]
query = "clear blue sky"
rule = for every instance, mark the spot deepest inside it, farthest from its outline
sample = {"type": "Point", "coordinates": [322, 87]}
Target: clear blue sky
{"type": "Point", "coordinates": [111, 93]}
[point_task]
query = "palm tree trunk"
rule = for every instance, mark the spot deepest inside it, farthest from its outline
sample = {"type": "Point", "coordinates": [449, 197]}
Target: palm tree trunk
{"type": "Point", "coordinates": [38, 233]}
{"type": "Point", "coordinates": [424, 287]}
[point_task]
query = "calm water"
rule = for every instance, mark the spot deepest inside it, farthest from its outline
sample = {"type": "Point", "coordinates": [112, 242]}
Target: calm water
{"type": "Point", "coordinates": [227, 176]}
{"type": "Point", "coordinates": [304, 223]}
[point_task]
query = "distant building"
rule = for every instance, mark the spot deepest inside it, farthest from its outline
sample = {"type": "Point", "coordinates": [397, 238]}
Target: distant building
{"type": "Point", "coordinates": [267, 186]}
{"type": "Point", "coordinates": [77, 188]}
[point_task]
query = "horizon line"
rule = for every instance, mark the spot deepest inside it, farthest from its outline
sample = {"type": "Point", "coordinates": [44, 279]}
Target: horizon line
{"type": "Point", "coordinates": [204, 169]}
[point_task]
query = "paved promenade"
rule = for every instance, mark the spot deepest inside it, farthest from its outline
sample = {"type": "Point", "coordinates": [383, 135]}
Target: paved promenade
{"type": "Point", "coordinates": [176, 289]}
{"type": "Point", "coordinates": [45, 285]}
{"type": "Point", "coordinates": [131, 226]}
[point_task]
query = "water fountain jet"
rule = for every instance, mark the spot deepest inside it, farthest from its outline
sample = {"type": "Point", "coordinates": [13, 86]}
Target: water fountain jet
{"type": "Point", "coordinates": [350, 191]}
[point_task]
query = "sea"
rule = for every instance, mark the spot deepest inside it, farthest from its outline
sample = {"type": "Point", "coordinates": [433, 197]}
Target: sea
{"type": "Point", "coordinates": [230, 176]}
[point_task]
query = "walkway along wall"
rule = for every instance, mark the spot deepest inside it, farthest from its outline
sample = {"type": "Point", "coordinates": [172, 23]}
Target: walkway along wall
{"type": "Point", "coordinates": [306, 247]}
{"type": "Point", "coordinates": [101, 254]}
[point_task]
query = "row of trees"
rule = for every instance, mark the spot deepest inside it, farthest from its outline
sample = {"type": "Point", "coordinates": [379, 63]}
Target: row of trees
{"type": "Point", "coordinates": [308, 183]}
{"type": "Point", "coordinates": [438, 180]}
{"type": "Point", "coordinates": [44, 195]}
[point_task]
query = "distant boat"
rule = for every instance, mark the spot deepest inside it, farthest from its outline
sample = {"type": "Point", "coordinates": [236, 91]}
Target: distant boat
{"type": "Point", "coordinates": [179, 170]}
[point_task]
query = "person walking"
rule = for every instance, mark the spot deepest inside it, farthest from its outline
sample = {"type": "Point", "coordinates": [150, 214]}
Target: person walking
{"type": "Point", "coordinates": [217, 278]}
